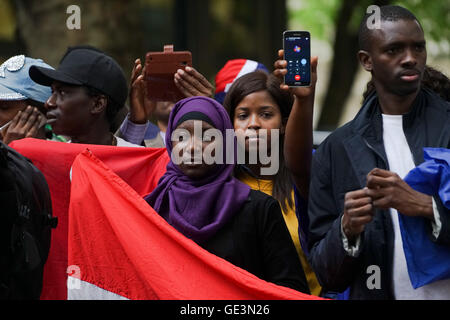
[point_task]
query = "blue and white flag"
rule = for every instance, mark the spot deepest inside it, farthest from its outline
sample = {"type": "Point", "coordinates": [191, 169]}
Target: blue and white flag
{"type": "Point", "coordinates": [427, 261]}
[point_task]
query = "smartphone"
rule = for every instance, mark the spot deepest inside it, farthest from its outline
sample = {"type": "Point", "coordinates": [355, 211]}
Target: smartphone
{"type": "Point", "coordinates": [297, 53]}
{"type": "Point", "coordinates": [160, 68]}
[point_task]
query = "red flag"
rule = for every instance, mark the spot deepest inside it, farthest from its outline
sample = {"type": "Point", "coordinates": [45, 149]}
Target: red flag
{"type": "Point", "coordinates": [121, 247]}
{"type": "Point", "coordinates": [141, 168]}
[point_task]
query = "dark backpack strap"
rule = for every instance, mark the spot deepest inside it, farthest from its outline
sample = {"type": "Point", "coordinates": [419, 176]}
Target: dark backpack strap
{"type": "Point", "coordinates": [7, 216]}
{"type": "Point", "coordinates": [25, 223]}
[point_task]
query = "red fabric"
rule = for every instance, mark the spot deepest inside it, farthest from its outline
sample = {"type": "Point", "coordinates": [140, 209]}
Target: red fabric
{"type": "Point", "coordinates": [228, 73]}
{"type": "Point", "coordinates": [141, 168]}
{"type": "Point", "coordinates": [122, 245]}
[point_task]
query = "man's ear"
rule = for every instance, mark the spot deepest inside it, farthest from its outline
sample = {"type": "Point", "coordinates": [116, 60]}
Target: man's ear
{"type": "Point", "coordinates": [99, 104]}
{"type": "Point", "coordinates": [365, 60]}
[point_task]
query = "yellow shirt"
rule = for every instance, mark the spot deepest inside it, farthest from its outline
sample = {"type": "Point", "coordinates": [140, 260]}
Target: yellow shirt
{"type": "Point", "coordinates": [291, 221]}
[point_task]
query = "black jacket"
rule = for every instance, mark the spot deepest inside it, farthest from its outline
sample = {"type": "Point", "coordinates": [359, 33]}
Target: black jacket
{"type": "Point", "coordinates": [340, 165]}
{"type": "Point", "coordinates": [257, 240]}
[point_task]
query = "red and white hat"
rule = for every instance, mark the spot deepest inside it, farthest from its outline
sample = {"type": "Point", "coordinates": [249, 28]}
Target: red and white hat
{"type": "Point", "coordinates": [231, 71]}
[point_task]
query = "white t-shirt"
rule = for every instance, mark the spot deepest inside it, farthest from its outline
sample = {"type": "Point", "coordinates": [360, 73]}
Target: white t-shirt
{"type": "Point", "coordinates": [163, 136]}
{"type": "Point", "coordinates": [123, 143]}
{"type": "Point", "coordinates": [401, 162]}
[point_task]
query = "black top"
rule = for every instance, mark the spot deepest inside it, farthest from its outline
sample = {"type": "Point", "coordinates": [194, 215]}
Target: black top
{"type": "Point", "coordinates": [341, 164]}
{"type": "Point", "coordinates": [257, 240]}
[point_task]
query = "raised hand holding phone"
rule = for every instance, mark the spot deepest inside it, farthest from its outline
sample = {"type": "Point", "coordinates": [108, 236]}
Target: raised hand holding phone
{"type": "Point", "coordinates": [298, 133]}
{"type": "Point", "coordinates": [141, 107]}
{"type": "Point", "coordinates": [193, 83]}
{"type": "Point", "coordinates": [160, 68]}
{"type": "Point", "coordinates": [297, 53]}
{"type": "Point", "coordinates": [280, 70]}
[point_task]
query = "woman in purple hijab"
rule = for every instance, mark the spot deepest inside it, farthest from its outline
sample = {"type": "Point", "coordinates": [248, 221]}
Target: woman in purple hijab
{"type": "Point", "coordinates": [208, 205]}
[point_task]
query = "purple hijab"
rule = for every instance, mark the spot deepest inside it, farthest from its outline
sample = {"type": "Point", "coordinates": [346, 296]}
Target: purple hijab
{"type": "Point", "coordinates": [198, 208]}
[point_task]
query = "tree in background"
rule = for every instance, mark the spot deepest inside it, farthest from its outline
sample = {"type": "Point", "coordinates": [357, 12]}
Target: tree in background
{"type": "Point", "coordinates": [345, 64]}
{"type": "Point", "coordinates": [339, 21]}
{"type": "Point", "coordinates": [213, 30]}
{"type": "Point", "coordinates": [104, 24]}
{"type": "Point", "coordinates": [10, 43]}
{"type": "Point", "coordinates": [219, 30]}
{"type": "Point", "coordinates": [113, 26]}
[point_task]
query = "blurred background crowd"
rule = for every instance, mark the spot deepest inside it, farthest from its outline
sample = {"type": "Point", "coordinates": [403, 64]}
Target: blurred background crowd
{"type": "Point", "coordinates": [216, 31]}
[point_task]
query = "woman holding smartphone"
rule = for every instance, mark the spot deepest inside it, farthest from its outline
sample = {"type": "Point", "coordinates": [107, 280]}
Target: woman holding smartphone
{"type": "Point", "coordinates": [259, 101]}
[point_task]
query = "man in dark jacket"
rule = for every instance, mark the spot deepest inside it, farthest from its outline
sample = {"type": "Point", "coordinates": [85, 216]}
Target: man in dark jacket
{"type": "Point", "coordinates": [357, 191]}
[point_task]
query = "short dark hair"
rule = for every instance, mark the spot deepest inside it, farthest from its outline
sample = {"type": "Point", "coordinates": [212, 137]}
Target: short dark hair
{"type": "Point", "coordinates": [112, 108]}
{"type": "Point", "coordinates": [387, 13]}
{"type": "Point", "coordinates": [254, 82]}
{"type": "Point", "coordinates": [437, 82]}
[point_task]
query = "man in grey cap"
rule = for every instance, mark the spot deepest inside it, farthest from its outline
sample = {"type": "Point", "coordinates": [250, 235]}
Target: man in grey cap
{"type": "Point", "coordinates": [88, 90]}
{"type": "Point", "coordinates": [22, 112]}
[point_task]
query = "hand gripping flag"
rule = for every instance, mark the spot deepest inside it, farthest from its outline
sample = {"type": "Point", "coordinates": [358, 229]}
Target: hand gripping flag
{"type": "Point", "coordinates": [427, 261]}
{"type": "Point", "coordinates": [141, 168]}
{"type": "Point", "coordinates": [123, 249]}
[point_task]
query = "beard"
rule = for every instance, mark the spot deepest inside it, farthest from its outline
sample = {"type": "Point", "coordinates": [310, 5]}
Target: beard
{"type": "Point", "coordinates": [406, 90]}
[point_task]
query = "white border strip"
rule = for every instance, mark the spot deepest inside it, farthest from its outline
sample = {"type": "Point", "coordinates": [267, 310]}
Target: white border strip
{"type": "Point", "coordinates": [81, 290]}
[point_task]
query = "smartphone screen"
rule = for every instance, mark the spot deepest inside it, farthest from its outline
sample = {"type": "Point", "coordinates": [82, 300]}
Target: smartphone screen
{"type": "Point", "coordinates": [297, 53]}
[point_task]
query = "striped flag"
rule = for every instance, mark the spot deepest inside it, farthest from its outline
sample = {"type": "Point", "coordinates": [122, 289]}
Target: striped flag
{"type": "Point", "coordinates": [427, 261]}
{"type": "Point", "coordinates": [231, 71]}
